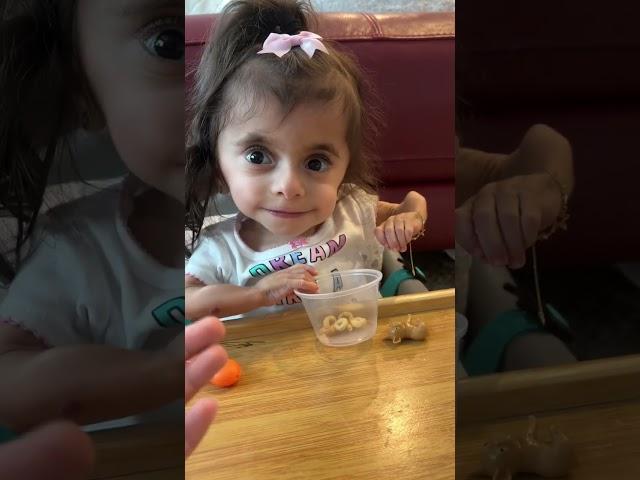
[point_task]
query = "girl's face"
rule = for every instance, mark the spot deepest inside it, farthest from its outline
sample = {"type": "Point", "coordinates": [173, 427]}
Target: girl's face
{"type": "Point", "coordinates": [132, 52]}
{"type": "Point", "coordinates": [284, 172]}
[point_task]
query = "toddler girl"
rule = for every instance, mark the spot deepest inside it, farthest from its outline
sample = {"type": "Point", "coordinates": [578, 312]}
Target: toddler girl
{"type": "Point", "coordinates": [90, 325]}
{"type": "Point", "coordinates": [280, 124]}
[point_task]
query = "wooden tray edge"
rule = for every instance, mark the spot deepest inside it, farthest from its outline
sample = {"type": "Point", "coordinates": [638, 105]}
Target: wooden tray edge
{"type": "Point", "coordinates": [525, 392]}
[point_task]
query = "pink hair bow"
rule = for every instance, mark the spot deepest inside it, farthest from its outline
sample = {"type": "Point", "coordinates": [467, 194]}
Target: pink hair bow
{"type": "Point", "coordinates": [281, 43]}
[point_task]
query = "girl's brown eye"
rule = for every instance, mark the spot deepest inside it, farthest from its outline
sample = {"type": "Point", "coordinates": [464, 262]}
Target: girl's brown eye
{"type": "Point", "coordinates": [318, 164]}
{"type": "Point", "coordinates": [164, 38]}
{"type": "Point", "coordinates": [257, 157]}
{"type": "Point", "coordinates": [168, 44]}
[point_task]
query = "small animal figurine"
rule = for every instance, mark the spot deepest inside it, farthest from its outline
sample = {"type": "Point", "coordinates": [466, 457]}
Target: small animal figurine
{"type": "Point", "coordinates": [504, 458]}
{"type": "Point", "coordinates": [407, 328]}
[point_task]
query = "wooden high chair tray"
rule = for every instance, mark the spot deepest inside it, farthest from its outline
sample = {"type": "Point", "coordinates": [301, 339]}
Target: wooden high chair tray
{"type": "Point", "coordinates": [595, 403]}
{"type": "Point", "coordinates": [305, 411]}
{"type": "Point", "coordinates": [149, 452]}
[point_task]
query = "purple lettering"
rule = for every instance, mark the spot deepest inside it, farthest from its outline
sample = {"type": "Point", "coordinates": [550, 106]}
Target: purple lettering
{"type": "Point", "coordinates": [278, 263]}
{"type": "Point", "coordinates": [336, 247]}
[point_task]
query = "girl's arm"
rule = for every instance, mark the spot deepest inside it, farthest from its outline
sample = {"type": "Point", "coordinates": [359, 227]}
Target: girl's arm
{"type": "Point", "coordinates": [224, 300]}
{"type": "Point", "coordinates": [221, 300]}
{"type": "Point", "coordinates": [84, 383]}
{"type": "Point", "coordinates": [541, 151]}
{"type": "Point", "coordinates": [413, 203]}
{"type": "Point", "coordinates": [398, 223]}
{"type": "Point", "coordinates": [505, 203]}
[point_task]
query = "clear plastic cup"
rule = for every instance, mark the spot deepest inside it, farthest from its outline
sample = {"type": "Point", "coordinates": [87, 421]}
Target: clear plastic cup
{"type": "Point", "coordinates": [343, 300]}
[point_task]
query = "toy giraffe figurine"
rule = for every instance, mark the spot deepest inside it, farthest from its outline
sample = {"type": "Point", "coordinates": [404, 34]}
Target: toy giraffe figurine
{"type": "Point", "coordinates": [407, 328]}
{"type": "Point", "coordinates": [549, 459]}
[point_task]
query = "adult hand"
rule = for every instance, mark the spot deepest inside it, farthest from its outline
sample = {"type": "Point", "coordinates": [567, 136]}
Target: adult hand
{"type": "Point", "coordinates": [204, 356]}
{"type": "Point", "coordinates": [56, 451]}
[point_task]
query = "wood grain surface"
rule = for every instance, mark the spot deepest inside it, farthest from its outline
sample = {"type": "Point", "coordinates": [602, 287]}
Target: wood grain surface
{"type": "Point", "coordinates": [605, 438]}
{"type": "Point", "coordinates": [153, 452]}
{"type": "Point", "coordinates": [595, 403]}
{"type": "Point", "coordinates": [305, 411]}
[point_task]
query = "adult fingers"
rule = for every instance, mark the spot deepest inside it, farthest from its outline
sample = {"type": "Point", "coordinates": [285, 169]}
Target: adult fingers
{"type": "Point", "coordinates": [197, 420]}
{"type": "Point", "coordinates": [55, 451]}
{"type": "Point", "coordinates": [202, 368]}
{"type": "Point", "coordinates": [202, 334]}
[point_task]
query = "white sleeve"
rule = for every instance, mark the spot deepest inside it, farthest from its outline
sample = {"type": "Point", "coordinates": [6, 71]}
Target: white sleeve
{"type": "Point", "coordinates": [43, 297]}
{"type": "Point", "coordinates": [207, 262]}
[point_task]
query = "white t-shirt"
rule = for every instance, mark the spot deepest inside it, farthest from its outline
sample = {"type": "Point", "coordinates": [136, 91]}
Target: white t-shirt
{"type": "Point", "coordinates": [88, 280]}
{"type": "Point", "coordinates": [344, 241]}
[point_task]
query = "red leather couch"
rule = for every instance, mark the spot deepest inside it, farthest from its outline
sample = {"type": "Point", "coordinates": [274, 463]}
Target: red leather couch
{"type": "Point", "coordinates": [572, 65]}
{"type": "Point", "coordinates": [410, 58]}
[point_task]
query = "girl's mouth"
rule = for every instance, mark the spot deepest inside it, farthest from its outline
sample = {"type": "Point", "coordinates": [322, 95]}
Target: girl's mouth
{"type": "Point", "coordinates": [285, 214]}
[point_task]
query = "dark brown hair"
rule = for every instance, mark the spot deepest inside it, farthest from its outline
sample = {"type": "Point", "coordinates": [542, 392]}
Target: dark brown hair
{"type": "Point", "coordinates": [40, 83]}
{"type": "Point", "coordinates": [230, 69]}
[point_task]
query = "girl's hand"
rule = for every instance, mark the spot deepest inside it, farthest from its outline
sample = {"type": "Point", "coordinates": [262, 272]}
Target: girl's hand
{"type": "Point", "coordinates": [203, 358]}
{"type": "Point", "coordinates": [397, 231]}
{"type": "Point", "coordinates": [504, 218]}
{"type": "Point", "coordinates": [276, 286]}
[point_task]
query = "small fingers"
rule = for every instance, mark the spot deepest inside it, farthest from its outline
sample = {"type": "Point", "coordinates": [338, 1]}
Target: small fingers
{"type": "Point", "coordinates": [303, 285]}
{"type": "Point", "coordinates": [390, 234]}
{"type": "Point", "coordinates": [297, 274]}
{"type": "Point", "coordinates": [508, 211]}
{"type": "Point", "coordinates": [530, 219]}
{"type": "Point", "coordinates": [465, 234]}
{"type": "Point", "coordinates": [303, 267]}
{"type": "Point", "coordinates": [487, 228]}
{"type": "Point", "coordinates": [404, 232]}
{"type": "Point", "coordinates": [379, 233]}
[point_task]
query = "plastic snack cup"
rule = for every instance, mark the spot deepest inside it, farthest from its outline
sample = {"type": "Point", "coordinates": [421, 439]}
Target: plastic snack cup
{"type": "Point", "coordinates": [344, 312]}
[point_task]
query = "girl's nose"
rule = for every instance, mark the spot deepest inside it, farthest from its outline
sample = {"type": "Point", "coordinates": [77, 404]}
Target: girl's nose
{"type": "Point", "coordinates": [288, 183]}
